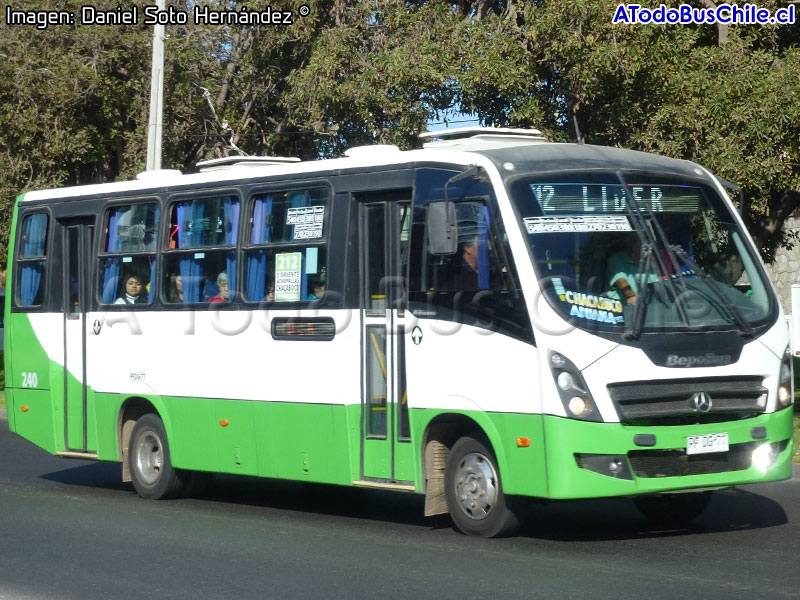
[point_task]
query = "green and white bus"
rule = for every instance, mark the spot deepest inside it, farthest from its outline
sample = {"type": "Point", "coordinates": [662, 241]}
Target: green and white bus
{"type": "Point", "coordinates": [487, 320]}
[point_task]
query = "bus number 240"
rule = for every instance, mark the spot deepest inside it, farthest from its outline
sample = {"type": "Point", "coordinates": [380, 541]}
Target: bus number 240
{"type": "Point", "coordinates": [30, 380]}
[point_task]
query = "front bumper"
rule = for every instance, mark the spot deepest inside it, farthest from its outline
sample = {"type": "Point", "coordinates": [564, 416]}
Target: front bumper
{"type": "Point", "coordinates": [576, 450]}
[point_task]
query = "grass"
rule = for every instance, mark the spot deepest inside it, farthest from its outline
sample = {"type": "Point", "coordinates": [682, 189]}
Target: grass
{"type": "Point", "coordinates": [796, 436]}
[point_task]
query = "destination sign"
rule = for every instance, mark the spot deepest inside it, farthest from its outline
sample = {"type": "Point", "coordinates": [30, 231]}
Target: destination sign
{"type": "Point", "coordinates": [598, 199]}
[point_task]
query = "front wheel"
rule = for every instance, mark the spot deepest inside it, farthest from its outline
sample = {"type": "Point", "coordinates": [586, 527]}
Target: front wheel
{"type": "Point", "coordinates": [474, 493]}
{"type": "Point", "coordinates": [149, 461]}
{"type": "Point", "coordinates": [673, 510]}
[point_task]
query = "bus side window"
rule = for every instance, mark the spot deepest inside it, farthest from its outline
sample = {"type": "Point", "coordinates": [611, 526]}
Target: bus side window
{"type": "Point", "coordinates": [479, 262]}
{"type": "Point", "coordinates": [127, 254]}
{"type": "Point", "coordinates": [32, 260]}
{"type": "Point", "coordinates": [201, 251]}
{"type": "Point", "coordinates": [476, 265]}
{"type": "Point", "coordinates": [286, 246]}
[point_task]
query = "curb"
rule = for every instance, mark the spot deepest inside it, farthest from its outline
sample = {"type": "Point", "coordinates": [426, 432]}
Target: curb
{"type": "Point", "coordinates": [3, 414]}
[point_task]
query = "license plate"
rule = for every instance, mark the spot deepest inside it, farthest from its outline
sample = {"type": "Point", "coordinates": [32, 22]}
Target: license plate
{"type": "Point", "coordinates": [705, 444]}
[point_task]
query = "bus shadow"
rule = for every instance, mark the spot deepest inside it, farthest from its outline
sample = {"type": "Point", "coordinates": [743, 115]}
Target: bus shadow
{"type": "Point", "coordinates": [105, 475]}
{"type": "Point", "coordinates": [606, 519]}
{"type": "Point", "coordinates": [611, 519]}
{"type": "Point", "coordinates": [333, 500]}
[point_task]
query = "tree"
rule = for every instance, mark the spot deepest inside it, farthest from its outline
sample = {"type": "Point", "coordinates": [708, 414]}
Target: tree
{"type": "Point", "coordinates": [725, 97]}
{"type": "Point", "coordinates": [68, 104]}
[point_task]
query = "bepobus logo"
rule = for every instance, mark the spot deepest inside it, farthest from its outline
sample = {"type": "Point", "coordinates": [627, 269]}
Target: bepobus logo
{"type": "Point", "coordinates": [708, 359]}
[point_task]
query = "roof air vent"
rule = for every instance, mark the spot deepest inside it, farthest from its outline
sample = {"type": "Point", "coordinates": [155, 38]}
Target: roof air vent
{"type": "Point", "coordinates": [157, 174]}
{"type": "Point", "coordinates": [477, 138]}
{"type": "Point", "coordinates": [365, 151]}
{"type": "Point", "coordinates": [249, 161]}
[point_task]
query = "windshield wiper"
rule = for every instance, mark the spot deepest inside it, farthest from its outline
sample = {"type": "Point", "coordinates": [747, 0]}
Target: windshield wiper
{"type": "Point", "coordinates": [745, 329]}
{"type": "Point", "coordinates": [650, 247]}
{"type": "Point", "coordinates": [645, 263]}
{"type": "Point", "coordinates": [676, 252]}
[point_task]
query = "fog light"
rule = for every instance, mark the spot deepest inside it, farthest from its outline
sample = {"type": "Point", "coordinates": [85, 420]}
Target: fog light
{"type": "Point", "coordinates": [579, 406]}
{"type": "Point", "coordinates": [784, 395]}
{"type": "Point", "coordinates": [610, 465]}
{"type": "Point", "coordinates": [565, 381]}
{"type": "Point", "coordinates": [764, 457]}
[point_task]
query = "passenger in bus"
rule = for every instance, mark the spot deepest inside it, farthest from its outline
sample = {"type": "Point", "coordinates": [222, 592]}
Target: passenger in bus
{"type": "Point", "coordinates": [270, 295]}
{"type": "Point", "coordinates": [318, 289]}
{"type": "Point", "coordinates": [465, 275]}
{"type": "Point", "coordinates": [175, 294]}
{"type": "Point", "coordinates": [222, 285]}
{"type": "Point", "coordinates": [134, 290]}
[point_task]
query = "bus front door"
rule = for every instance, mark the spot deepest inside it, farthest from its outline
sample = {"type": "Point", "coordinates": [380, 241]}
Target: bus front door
{"type": "Point", "coordinates": [386, 448]}
{"type": "Point", "coordinates": [76, 237]}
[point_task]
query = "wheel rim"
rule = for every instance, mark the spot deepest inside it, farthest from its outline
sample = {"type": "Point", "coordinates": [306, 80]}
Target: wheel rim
{"type": "Point", "coordinates": [476, 486]}
{"type": "Point", "coordinates": [149, 457]}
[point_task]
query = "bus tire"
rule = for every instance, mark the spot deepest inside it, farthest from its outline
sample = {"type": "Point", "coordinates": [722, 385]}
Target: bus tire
{"type": "Point", "coordinates": [475, 498]}
{"type": "Point", "coordinates": [150, 465]}
{"type": "Point", "coordinates": [673, 510]}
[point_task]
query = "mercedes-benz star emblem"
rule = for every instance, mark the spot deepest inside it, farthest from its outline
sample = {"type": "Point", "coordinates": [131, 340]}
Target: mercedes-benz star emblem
{"type": "Point", "coordinates": [701, 402]}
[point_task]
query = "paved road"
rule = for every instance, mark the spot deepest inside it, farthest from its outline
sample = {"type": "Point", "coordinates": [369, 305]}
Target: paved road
{"type": "Point", "coordinates": [70, 530]}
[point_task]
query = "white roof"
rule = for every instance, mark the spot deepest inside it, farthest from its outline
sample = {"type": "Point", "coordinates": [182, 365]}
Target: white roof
{"type": "Point", "coordinates": [455, 149]}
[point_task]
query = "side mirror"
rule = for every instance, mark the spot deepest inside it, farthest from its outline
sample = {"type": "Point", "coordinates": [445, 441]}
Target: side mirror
{"type": "Point", "coordinates": [442, 228]}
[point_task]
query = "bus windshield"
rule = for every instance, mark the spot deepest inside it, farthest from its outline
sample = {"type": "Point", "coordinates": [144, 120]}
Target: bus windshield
{"type": "Point", "coordinates": [640, 254]}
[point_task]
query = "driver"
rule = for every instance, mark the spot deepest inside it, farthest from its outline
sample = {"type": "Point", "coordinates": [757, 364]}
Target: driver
{"type": "Point", "coordinates": [622, 271]}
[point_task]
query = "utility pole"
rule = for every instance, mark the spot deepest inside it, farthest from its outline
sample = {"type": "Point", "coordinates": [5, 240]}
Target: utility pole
{"type": "Point", "coordinates": [155, 126]}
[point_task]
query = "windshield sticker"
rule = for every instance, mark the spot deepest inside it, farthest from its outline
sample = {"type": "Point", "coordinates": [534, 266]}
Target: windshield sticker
{"type": "Point", "coordinates": [307, 221]}
{"type": "Point", "coordinates": [288, 273]}
{"type": "Point", "coordinates": [576, 224]}
{"type": "Point", "coordinates": [594, 308]}
{"type": "Point", "coordinates": [593, 314]}
{"type": "Point", "coordinates": [559, 288]}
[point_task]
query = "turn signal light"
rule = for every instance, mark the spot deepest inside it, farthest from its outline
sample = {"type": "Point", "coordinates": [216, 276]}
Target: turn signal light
{"type": "Point", "coordinates": [224, 422]}
{"type": "Point", "coordinates": [523, 442]}
{"type": "Point", "coordinates": [23, 408]}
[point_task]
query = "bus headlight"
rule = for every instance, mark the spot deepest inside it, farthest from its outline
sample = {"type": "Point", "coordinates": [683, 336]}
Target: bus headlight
{"type": "Point", "coordinates": [785, 381]}
{"type": "Point", "coordinates": [578, 402]}
{"type": "Point", "coordinates": [579, 406]}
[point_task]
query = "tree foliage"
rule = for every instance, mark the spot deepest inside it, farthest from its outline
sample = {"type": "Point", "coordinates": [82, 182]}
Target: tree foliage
{"type": "Point", "coordinates": [74, 99]}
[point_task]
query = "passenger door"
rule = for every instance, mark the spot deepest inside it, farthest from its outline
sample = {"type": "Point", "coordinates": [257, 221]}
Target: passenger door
{"type": "Point", "coordinates": [386, 446]}
{"type": "Point", "coordinates": [77, 237]}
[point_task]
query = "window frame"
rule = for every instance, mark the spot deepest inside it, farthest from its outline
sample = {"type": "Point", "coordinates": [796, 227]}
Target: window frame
{"type": "Point", "coordinates": [451, 305]}
{"type": "Point", "coordinates": [19, 260]}
{"type": "Point", "coordinates": [323, 242]}
{"type": "Point", "coordinates": [165, 252]}
{"type": "Point", "coordinates": [101, 240]}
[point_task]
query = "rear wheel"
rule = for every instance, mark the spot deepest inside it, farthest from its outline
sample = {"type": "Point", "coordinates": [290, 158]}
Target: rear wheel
{"type": "Point", "coordinates": [150, 465]}
{"type": "Point", "coordinates": [673, 510]}
{"type": "Point", "coordinates": [474, 493]}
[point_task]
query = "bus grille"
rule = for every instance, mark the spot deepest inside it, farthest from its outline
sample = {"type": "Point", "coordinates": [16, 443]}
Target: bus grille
{"type": "Point", "coordinates": [666, 399]}
{"type": "Point", "coordinates": [676, 463]}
